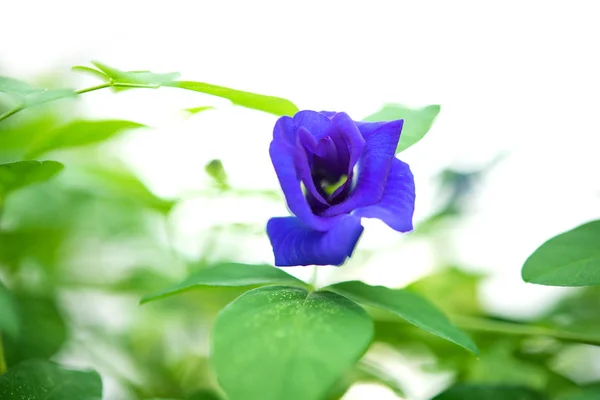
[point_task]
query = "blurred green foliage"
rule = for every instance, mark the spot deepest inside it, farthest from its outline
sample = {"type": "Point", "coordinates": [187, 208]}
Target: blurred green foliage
{"type": "Point", "coordinates": [80, 246]}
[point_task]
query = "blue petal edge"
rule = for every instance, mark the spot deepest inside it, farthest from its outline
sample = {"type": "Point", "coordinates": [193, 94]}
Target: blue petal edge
{"type": "Point", "coordinates": [294, 243]}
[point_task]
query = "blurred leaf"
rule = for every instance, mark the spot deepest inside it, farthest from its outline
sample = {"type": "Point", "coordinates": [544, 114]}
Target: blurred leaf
{"type": "Point", "coordinates": [135, 77]}
{"type": "Point", "coordinates": [199, 395]}
{"type": "Point", "coordinates": [47, 95]}
{"type": "Point", "coordinates": [276, 343]}
{"type": "Point", "coordinates": [91, 71]}
{"type": "Point", "coordinates": [9, 318]}
{"type": "Point", "coordinates": [216, 171]}
{"type": "Point", "coordinates": [122, 182]}
{"type": "Point", "coordinates": [417, 122]}
{"type": "Point", "coordinates": [196, 110]}
{"type": "Point", "coordinates": [17, 135]}
{"type": "Point", "coordinates": [569, 259]}
{"type": "Point", "coordinates": [42, 333]}
{"type": "Point", "coordinates": [590, 392]}
{"type": "Point", "coordinates": [577, 312]}
{"type": "Point", "coordinates": [369, 372]}
{"type": "Point", "coordinates": [15, 87]}
{"type": "Point", "coordinates": [80, 133]}
{"type": "Point", "coordinates": [489, 392]}
{"type": "Point", "coordinates": [16, 175]}
{"type": "Point", "coordinates": [498, 365]}
{"type": "Point", "coordinates": [43, 380]}
{"type": "Point", "coordinates": [39, 245]}
{"type": "Point", "coordinates": [203, 395]}
{"type": "Point", "coordinates": [452, 290]}
{"type": "Point", "coordinates": [366, 372]}
{"type": "Point", "coordinates": [230, 274]}
{"type": "Point", "coordinates": [29, 96]}
{"type": "Point", "coordinates": [408, 306]}
{"type": "Point", "coordinates": [270, 104]}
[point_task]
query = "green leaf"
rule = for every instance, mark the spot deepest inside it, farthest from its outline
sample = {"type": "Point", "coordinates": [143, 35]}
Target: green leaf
{"type": "Point", "coordinates": [216, 171]}
{"type": "Point", "coordinates": [120, 182]}
{"type": "Point", "coordinates": [42, 330]}
{"type": "Point", "coordinates": [80, 133]}
{"type": "Point", "coordinates": [408, 306]}
{"type": "Point", "coordinates": [15, 87]}
{"type": "Point", "coordinates": [417, 122]}
{"type": "Point", "coordinates": [231, 275]}
{"type": "Point", "coordinates": [29, 96]}
{"type": "Point", "coordinates": [569, 259]}
{"type": "Point", "coordinates": [9, 318]}
{"type": "Point", "coordinates": [489, 392]}
{"type": "Point", "coordinates": [576, 312]}
{"type": "Point", "coordinates": [369, 372]}
{"type": "Point", "coordinates": [588, 393]}
{"type": "Point", "coordinates": [196, 110]}
{"type": "Point", "coordinates": [270, 104]}
{"type": "Point", "coordinates": [364, 372]}
{"type": "Point", "coordinates": [276, 343]}
{"type": "Point", "coordinates": [452, 290]}
{"type": "Point", "coordinates": [16, 175]}
{"type": "Point", "coordinates": [42, 380]}
{"type": "Point", "coordinates": [91, 71]}
{"type": "Point", "coordinates": [47, 95]}
{"type": "Point", "coordinates": [135, 77]}
{"type": "Point", "coordinates": [500, 365]}
{"type": "Point", "coordinates": [203, 395]}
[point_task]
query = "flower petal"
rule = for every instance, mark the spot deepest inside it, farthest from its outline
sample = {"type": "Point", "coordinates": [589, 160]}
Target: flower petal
{"type": "Point", "coordinates": [381, 139]}
{"type": "Point", "coordinates": [306, 146]}
{"type": "Point", "coordinates": [397, 204]}
{"type": "Point", "coordinates": [295, 243]}
{"type": "Point", "coordinates": [328, 114]}
{"type": "Point", "coordinates": [285, 156]}
{"type": "Point", "coordinates": [354, 144]}
{"type": "Point", "coordinates": [318, 125]}
{"type": "Point", "coordinates": [355, 141]}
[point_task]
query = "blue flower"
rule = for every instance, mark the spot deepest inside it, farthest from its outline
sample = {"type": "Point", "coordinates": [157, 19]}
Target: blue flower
{"type": "Point", "coordinates": [333, 171]}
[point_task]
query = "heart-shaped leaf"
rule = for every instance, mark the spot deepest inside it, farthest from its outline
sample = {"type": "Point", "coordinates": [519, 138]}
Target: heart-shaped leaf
{"type": "Point", "coordinates": [276, 343]}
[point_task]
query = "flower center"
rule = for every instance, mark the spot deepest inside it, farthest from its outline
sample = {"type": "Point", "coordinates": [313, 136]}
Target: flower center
{"type": "Point", "coordinates": [330, 187]}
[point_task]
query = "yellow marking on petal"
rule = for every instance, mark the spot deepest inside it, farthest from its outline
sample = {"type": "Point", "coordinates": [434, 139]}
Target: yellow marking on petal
{"type": "Point", "coordinates": [330, 188]}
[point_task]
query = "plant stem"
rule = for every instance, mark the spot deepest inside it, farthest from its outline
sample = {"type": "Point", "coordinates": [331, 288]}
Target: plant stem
{"type": "Point", "coordinates": [2, 361]}
{"type": "Point", "coordinates": [11, 112]}
{"type": "Point", "coordinates": [313, 278]}
{"type": "Point", "coordinates": [105, 85]}
{"type": "Point", "coordinates": [91, 89]}
{"type": "Point", "coordinates": [512, 328]}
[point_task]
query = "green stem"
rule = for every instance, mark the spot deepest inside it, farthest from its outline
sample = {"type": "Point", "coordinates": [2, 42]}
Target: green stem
{"type": "Point", "coordinates": [11, 112]}
{"type": "Point", "coordinates": [511, 328]}
{"type": "Point", "coordinates": [2, 361]}
{"type": "Point", "coordinates": [315, 275]}
{"type": "Point", "coordinates": [105, 85]}
{"type": "Point", "coordinates": [91, 89]}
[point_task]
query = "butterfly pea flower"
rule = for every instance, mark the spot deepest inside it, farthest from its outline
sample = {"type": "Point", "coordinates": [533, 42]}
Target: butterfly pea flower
{"type": "Point", "coordinates": [334, 171]}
